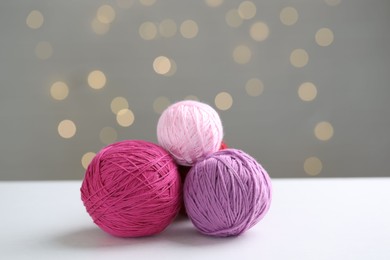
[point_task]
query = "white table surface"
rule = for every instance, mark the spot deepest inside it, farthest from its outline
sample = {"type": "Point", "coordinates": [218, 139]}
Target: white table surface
{"type": "Point", "coordinates": [309, 219]}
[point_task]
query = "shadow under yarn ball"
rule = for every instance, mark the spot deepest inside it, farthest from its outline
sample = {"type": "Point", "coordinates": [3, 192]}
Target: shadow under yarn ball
{"type": "Point", "coordinates": [227, 193]}
{"type": "Point", "coordinates": [132, 189]}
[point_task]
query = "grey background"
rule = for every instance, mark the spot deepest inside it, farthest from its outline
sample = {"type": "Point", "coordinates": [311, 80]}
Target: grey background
{"type": "Point", "coordinates": [352, 76]}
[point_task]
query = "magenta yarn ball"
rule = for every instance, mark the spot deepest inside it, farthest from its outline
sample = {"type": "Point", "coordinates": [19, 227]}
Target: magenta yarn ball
{"type": "Point", "coordinates": [190, 131]}
{"type": "Point", "coordinates": [227, 193]}
{"type": "Point", "coordinates": [132, 189]}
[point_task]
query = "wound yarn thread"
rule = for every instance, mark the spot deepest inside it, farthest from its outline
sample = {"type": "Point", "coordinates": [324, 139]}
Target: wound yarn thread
{"type": "Point", "coordinates": [183, 171]}
{"type": "Point", "coordinates": [227, 193]}
{"type": "Point", "coordinates": [190, 131]}
{"type": "Point", "coordinates": [132, 189]}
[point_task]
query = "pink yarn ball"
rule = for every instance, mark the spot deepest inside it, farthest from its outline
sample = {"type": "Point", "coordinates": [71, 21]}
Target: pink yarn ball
{"type": "Point", "coordinates": [190, 131]}
{"type": "Point", "coordinates": [132, 189]}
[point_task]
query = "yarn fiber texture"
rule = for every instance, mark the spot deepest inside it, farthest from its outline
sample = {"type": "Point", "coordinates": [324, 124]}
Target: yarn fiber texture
{"type": "Point", "coordinates": [190, 131]}
{"type": "Point", "coordinates": [183, 171]}
{"type": "Point", "coordinates": [227, 193]}
{"type": "Point", "coordinates": [132, 189]}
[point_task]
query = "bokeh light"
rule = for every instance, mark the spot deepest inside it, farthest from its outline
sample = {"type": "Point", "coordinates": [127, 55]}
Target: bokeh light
{"type": "Point", "coordinates": [97, 79]}
{"type": "Point", "coordinates": [223, 101]}
{"type": "Point", "coordinates": [289, 15]}
{"type": "Point", "coordinates": [323, 131]}
{"type": "Point", "coordinates": [259, 31]}
{"type": "Point", "coordinates": [233, 19]}
{"type": "Point", "coordinates": [307, 91]}
{"type": "Point", "coordinates": [86, 159]}
{"type": "Point", "coordinates": [118, 103]}
{"type": "Point", "coordinates": [312, 166]}
{"type": "Point", "coordinates": [66, 128]}
{"type": "Point", "coordinates": [242, 54]}
{"type": "Point", "coordinates": [254, 87]}
{"type": "Point", "coordinates": [247, 10]}
{"type": "Point", "coordinates": [125, 117]}
{"type": "Point", "coordinates": [299, 58]}
{"type": "Point", "coordinates": [324, 37]}
{"type": "Point", "coordinates": [173, 68]}
{"type": "Point", "coordinates": [35, 19]}
{"type": "Point", "coordinates": [189, 29]}
{"type": "Point", "coordinates": [105, 14]}
{"type": "Point", "coordinates": [161, 65]}
{"type": "Point", "coordinates": [160, 104]}
{"type": "Point", "coordinates": [147, 31]}
{"type": "Point", "coordinates": [213, 3]}
{"type": "Point", "coordinates": [59, 90]}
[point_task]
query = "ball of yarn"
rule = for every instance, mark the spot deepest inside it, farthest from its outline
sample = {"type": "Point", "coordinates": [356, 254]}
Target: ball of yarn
{"type": "Point", "coordinates": [190, 131]}
{"type": "Point", "coordinates": [132, 189]}
{"type": "Point", "coordinates": [183, 171]}
{"type": "Point", "coordinates": [227, 193]}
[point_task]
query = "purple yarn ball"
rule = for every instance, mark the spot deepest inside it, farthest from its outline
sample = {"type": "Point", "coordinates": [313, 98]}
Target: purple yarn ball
{"type": "Point", "coordinates": [227, 193]}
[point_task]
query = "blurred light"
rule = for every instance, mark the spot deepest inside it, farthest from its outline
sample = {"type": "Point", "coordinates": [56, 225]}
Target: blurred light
{"type": "Point", "coordinates": [312, 166]}
{"type": "Point", "coordinates": [66, 129]}
{"type": "Point", "coordinates": [289, 15]}
{"type": "Point", "coordinates": [148, 31]}
{"type": "Point", "coordinates": [105, 14]}
{"type": "Point", "coordinates": [247, 10]}
{"type": "Point", "coordinates": [35, 19]}
{"type": "Point", "coordinates": [108, 135]}
{"type": "Point", "coordinates": [223, 101]}
{"type": "Point", "coordinates": [233, 19]}
{"type": "Point", "coordinates": [167, 28]}
{"type": "Point", "coordinates": [125, 117]}
{"type": "Point", "coordinates": [213, 3]}
{"type": "Point", "coordinates": [324, 37]}
{"type": "Point", "coordinates": [173, 68]}
{"type": "Point", "coordinates": [259, 31]}
{"type": "Point", "coordinates": [323, 131]}
{"type": "Point", "coordinates": [307, 91]}
{"type": "Point", "coordinates": [242, 54]}
{"type": "Point", "coordinates": [124, 4]}
{"type": "Point", "coordinates": [332, 2]}
{"type": "Point", "coordinates": [189, 29]}
{"type": "Point", "coordinates": [191, 97]}
{"type": "Point", "coordinates": [254, 87]}
{"type": "Point", "coordinates": [99, 28]}
{"type": "Point", "coordinates": [299, 58]}
{"type": "Point", "coordinates": [97, 79]}
{"type": "Point", "coordinates": [87, 158]}
{"type": "Point", "coordinates": [161, 65]}
{"type": "Point", "coordinates": [43, 50]}
{"type": "Point", "coordinates": [147, 2]}
{"type": "Point", "coordinates": [160, 104]}
{"type": "Point", "coordinates": [118, 104]}
{"type": "Point", "coordinates": [59, 90]}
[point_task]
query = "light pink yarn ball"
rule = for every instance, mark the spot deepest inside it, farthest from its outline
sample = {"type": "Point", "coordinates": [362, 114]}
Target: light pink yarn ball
{"type": "Point", "coordinates": [190, 131]}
